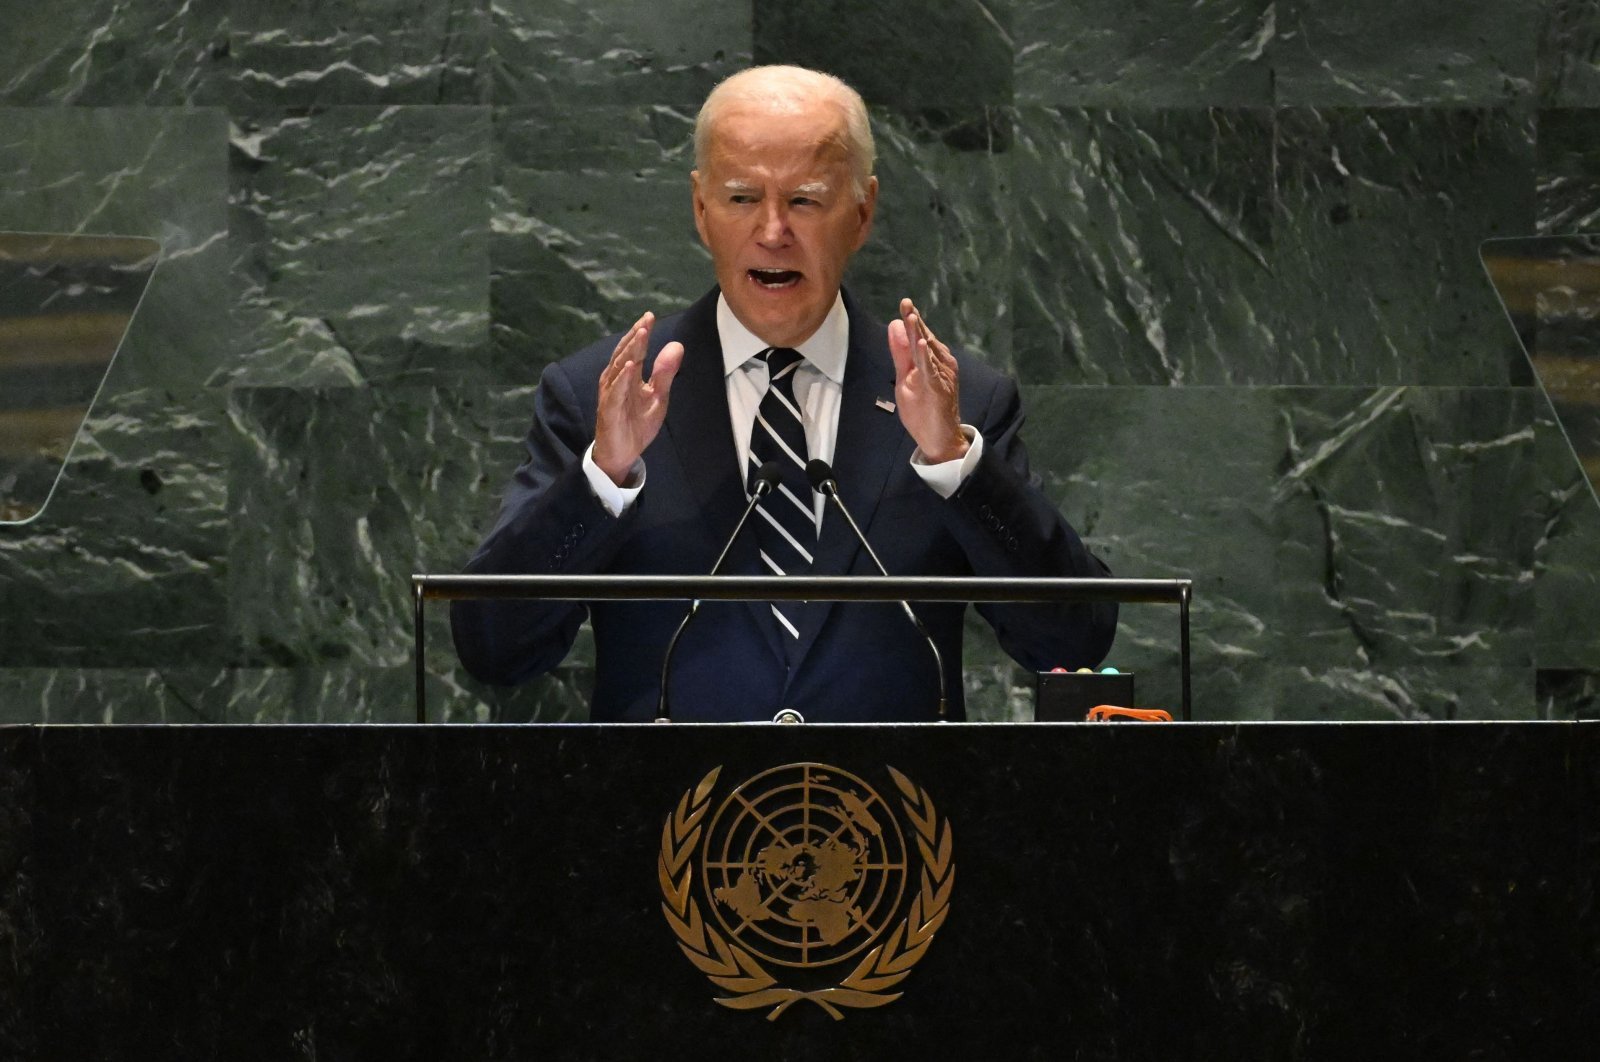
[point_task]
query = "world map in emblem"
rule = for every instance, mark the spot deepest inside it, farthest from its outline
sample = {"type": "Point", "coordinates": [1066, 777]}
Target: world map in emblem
{"type": "Point", "coordinates": [804, 864]}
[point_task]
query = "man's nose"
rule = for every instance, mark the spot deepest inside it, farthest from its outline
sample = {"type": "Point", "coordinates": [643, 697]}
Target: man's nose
{"type": "Point", "coordinates": [775, 224]}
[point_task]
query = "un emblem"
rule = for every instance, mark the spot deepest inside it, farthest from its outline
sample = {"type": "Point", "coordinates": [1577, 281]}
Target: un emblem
{"type": "Point", "coordinates": [804, 873]}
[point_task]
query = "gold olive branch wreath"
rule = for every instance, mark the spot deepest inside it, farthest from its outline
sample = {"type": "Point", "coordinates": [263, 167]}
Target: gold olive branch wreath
{"type": "Point", "coordinates": [735, 970]}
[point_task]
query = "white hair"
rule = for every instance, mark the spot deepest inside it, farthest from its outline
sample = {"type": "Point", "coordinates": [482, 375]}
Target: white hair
{"type": "Point", "coordinates": [793, 86]}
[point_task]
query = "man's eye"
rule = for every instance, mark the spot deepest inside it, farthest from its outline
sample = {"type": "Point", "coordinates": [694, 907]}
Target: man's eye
{"type": "Point", "coordinates": [742, 199]}
{"type": "Point", "coordinates": [801, 200]}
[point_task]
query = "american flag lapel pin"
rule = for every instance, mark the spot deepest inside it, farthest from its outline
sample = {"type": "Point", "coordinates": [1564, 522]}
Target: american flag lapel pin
{"type": "Point", "coordinates": [885, 405]}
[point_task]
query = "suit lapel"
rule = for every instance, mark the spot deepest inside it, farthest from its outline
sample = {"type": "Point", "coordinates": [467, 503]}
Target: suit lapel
{"type": "Point", "coordinates": [870, 443]}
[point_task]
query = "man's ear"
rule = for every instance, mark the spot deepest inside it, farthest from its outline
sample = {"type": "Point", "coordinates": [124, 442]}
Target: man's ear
{"type": "Point", "coordinates": [699, 205]}
{"type": "Point", "coordinates": [865, 210]}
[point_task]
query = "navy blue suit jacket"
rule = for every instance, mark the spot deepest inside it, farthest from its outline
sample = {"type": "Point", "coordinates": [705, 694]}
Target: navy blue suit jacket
{"type": "Point", "coordinates": [859, 662]}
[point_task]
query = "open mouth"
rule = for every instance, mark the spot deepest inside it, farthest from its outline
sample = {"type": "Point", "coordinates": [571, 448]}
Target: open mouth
{"type": "Point", "coordinates": [774, 278]}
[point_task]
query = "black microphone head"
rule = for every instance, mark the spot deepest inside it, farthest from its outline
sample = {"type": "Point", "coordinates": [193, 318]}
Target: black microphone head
{"type": "Point", "coordinates": [820, 473]}
{"type": "Point", "coordinates": [766, 479]}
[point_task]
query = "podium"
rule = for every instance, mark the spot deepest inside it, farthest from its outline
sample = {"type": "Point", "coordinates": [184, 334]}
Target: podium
{"type": "Point", "coordinates": [1100, 890]}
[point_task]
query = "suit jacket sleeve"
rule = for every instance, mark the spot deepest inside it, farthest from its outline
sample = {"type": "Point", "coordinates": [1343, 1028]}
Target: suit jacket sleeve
{"type": "Point", "coordinates": [1008, 528]}
{"type": "Point", "coordinates": [550, 522]}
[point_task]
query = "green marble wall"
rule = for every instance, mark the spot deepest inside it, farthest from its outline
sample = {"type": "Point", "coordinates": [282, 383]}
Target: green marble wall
{"type": "Point", "coordinates": [1230, 248]}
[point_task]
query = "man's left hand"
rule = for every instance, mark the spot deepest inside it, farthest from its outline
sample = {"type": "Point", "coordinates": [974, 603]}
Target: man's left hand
{"type": "Point", "coordinates": [925, 387]}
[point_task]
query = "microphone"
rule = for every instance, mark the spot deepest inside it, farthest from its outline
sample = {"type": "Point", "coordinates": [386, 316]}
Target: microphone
{"type": "Point", "coordinates": [766, 482]}
{"type": "Point", "coordinates": [822, 481]}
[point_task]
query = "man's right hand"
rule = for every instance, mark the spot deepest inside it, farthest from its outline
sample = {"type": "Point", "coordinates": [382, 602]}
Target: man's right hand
{"type": "Point", "coordinates": [631, 409]}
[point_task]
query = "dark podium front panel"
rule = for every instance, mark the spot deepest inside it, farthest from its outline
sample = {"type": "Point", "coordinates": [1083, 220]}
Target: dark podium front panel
{"type": "Point", "coordinates": [1271, 891]}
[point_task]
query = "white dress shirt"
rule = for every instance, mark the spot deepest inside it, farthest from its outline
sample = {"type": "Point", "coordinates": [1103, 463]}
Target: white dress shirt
{"type": "Point", "coordinates": [818, 388]}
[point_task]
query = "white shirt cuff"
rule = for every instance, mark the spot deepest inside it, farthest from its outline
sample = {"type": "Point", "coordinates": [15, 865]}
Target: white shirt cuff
{"type": "Point", "coordinates": [616, 499]}
{"type": "Point", "coordinates": [946, 477]}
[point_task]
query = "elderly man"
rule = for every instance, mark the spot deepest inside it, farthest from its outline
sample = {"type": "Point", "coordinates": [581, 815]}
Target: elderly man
{"type": "Point", "coordinates": [645, 448]}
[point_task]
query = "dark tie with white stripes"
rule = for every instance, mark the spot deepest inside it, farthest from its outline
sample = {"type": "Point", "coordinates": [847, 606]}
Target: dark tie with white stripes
{"type": "Point", "coordinates": [787, 531]}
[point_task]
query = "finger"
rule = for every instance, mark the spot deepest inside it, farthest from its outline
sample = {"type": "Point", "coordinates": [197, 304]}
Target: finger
{"type": "Point", "coordinates": [628, 338]}
{"type": "Point", "coordinates": [921, 349]}
{"type": "Point", "coordinates": [941, 357]}
{"type": "Point", "coordinates": [900, 347]}
{"type": "Point", "coordinates": [626, 346]}
{"type": "Point", "coordinates": [940, 360]}
{"type": "Point", "coordinates": [908, 314]}
{"type": "Point", "coordinates": [619, 357]}
{"type": "Point", "coordinates": [665, 370]}
{"type": "Point", "coordinates": [641, 327]}
{"type": "Point", "coordinates": [629, 355]}
{"type": "Point", "coordinates": [616, 393]}
{"type": "Point", "coordinates": [925, 362]}
{"type": "Point", "coordinates": [638, 334]}
{"type": "Point", "coordinates": [909, 311]}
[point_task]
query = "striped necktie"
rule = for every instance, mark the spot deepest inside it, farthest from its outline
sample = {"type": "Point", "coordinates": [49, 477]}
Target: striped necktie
{"type": "Point", "coordinates": [787, 531]}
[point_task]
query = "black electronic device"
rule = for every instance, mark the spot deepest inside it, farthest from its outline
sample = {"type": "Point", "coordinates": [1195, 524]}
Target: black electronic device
{"type": "Point", "coordinates": [1067, 696]}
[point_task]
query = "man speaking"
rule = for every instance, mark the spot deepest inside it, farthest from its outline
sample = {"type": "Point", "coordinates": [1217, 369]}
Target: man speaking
{"type": "Point", "coordinates": [646, 448]}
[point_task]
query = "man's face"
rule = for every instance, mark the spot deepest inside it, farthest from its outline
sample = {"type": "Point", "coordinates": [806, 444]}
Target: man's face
{"type": "Point", "coordinates": [776, 208]}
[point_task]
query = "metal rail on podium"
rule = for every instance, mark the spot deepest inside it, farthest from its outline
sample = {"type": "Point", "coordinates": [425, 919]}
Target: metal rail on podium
{"type": "Point", "coordinates": [967, 589]}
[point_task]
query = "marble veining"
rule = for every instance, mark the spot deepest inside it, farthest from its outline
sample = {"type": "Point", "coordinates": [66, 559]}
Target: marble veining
{"type": "Point", "coordinates": [1229, 249]}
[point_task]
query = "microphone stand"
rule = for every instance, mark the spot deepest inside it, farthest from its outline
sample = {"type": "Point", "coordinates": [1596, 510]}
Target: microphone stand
{"type": "Point", "coordinates": [766, 480]}
{"type": "Point", "coordinates": [822, 481]}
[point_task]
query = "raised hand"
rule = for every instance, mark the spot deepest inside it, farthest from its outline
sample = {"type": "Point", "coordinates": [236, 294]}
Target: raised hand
{"type": "Point", "coordinates": [631, 408]}
{"type": "Point", "coordinates": [925, 386]}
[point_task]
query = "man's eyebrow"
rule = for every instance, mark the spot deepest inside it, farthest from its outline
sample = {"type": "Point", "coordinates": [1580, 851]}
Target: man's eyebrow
{"type": "Point", "coordinates": [736, 184]}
